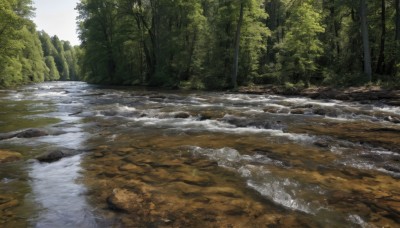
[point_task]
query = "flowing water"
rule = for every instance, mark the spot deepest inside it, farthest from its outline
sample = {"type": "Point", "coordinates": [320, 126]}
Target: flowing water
{"type": "Point", "coordinates": [141, 158]}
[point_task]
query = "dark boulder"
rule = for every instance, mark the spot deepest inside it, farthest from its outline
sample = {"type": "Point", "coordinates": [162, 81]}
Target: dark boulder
{"type": "Point", "coordinates": [319, 111]}
{"type": "Point", "coordinates": [244, 122]}
{"type": "Point", "coordinates": [181, 115]}
{"type": "Point", "coordinates": [32, 133]}
{"type": "Point", "coordinates": [298, 111]}
{"type": "Point", "coordinates": [56, 155]}
{"type": "Point", "coordinates": [392, 119]}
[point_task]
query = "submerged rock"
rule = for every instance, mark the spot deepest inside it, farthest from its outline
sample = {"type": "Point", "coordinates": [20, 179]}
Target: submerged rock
{"type": "Point", "coordinates": [32, 133]}
{"type": "Point", "coordinates": [9, 156]}
{"type": "Point", "coordinates": [322, 143]}
{"type": "Point", "coordinates": [7, 202]}
{"type": "Point", "coordinates": [125, 200]}
{"type": "Point", "coordinates": [181, 115]}
{"type": "Point", "coordinates": [56, 155]}
{"type": "Point", "coordinates": [298, 111]}
{"type": "Point", "coordinates": [320, 111]}
{"type": "Point", "coordinates": [276, 110]}
{"type": "Point", "coordinates": [209, 115]}
{"type": "Point", "coordinates": [392, 119]}
{"type": "Point", "coordinates": [244, 122]}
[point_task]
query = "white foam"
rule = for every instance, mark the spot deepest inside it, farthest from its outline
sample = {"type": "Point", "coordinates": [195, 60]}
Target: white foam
{"type": "Point", "coordinates": [52, 94]}
{"type": "Point", "coordinates": [274, 190]}
{"type": "Point", "coordinates": [356, 219]}
{"type": "Point", "coordinates": [123, 108]}
{"type": "Point", "coordinates": [282, 192]}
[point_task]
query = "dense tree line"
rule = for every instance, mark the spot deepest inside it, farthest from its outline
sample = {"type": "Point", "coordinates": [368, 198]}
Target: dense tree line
{"type": "Point", "coordinates": [60, 57]}
{"type": "Point", "coordinates": [22, 58]}
{"type": "Point", "coordinates": [223, 43]}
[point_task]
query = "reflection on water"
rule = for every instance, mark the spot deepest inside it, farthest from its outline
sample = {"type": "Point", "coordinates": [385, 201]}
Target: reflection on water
{"type": "Point", "coordinates": [183, 159]}
{"type": "Point", "coordinates": [60, 198]}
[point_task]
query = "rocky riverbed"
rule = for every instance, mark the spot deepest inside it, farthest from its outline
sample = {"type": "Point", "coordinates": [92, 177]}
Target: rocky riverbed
{"type": "Point", "coordinates": [75, 155]}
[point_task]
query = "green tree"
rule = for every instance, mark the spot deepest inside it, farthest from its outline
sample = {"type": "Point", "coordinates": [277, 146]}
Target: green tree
{"type": "Point", "coordinates": [33, 66]}
{"type": "Point", "coordinates": [59, 58]}
{"type": "Point", "coordinates": [21, 57]}
{"type": "Point", "coordinates": [10, 45]}
{"type": "Point", "coordinates": [301, 46]}
{"type": "Point", "coordinates": [53, 74]}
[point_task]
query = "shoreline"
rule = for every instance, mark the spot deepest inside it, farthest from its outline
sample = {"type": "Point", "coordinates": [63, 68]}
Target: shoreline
{"type": "Point", "coordinates": [361, 93]}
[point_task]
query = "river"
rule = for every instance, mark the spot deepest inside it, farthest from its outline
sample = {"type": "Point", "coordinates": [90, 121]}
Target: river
{"type": "Point", "coordinates": [152, 158]}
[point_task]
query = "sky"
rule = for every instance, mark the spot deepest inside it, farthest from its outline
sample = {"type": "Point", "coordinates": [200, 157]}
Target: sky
{"type": "Point", "coordinates": [57, 17]}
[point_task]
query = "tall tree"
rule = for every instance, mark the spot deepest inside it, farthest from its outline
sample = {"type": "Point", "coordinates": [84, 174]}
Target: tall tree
{"type": "Point", "coordinates": [380, 68]}
{"type": "Point", "coordinates": [301, 46]}
{"type": "Point", "coordinates": [365, 39]}
{"type": "Point", "coordinates": [397, 36]}
{"type": "Point", "coordinates": [53, 72]}
{"type": "Point", "coordinates": [237, 46]}
{"type": "Point", "coordinates": [397, 23]}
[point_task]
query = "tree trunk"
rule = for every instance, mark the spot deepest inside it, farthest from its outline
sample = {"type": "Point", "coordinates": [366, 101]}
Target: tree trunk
{"type": "Point", "coordinates": [397, 38]}
{"type": "Point", "coordinates": [237, 46]}
{"type": "Point", "coordinates": [380, 68]}
{"type": "Point", "coordinates": [393, 65]}
{"type": "Point", "coordinates": [365, 39]}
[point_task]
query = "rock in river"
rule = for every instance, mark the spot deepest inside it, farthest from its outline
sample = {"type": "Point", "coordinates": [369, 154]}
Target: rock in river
{"type": "Point", "coordinates": [181, 115]}
{"type": "Point", "coordinates": [56, 155]}
{"type": "Point", "coordinates": [7, 202]}
{"type": "Point", "coordinates": [125, 200]}
{"type": "Point", "coordinates": [31, 133]}
{"type": "Point", "coordinates": [9, 156]}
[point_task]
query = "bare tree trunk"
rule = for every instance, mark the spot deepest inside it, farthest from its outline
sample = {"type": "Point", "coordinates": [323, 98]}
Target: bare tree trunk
{"type": "Point", "coordinates": [365, 38]}
{"type": "Point", "coordinates": [397, 21]}
{"type": "Point", "coordinates": [237, 46]}
{"type": "Point", "coordinates": [396, 60]}
{"type": "Point", "coordinates": [380, 68]}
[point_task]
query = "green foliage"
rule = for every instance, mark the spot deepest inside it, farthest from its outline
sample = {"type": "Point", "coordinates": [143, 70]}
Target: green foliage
{"type": "Point", "coordinates": [166, 43]}
{"type": "Point", "coordinates": [301, 47]}
{"type": "Point", "coordinates": [25, 53]}
{"type": "Point", "coordinates": [53, 74]}
{"type": "Point", "coordinates": [196, 43]}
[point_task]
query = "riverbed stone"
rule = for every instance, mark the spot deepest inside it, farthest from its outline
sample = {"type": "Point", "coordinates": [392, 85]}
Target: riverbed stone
{"type": "Point", "coordinates": [125, 200]}
{"type": "Point", "coordinates": [392, 119]}
{"type": "Point", "coordinates": [283, 110]}
{"type": "Point", "coordinates": [32, 133]}
{"type": "Point", "coordinates": [319, 111]}
{"type": "Point", "coordinates": [98, 155]}
{"type": "Point", "coordinates": [210, 114]}
{"type": "Point", "coordinates": [9, 156]}
{"type": "Point", "coordinates": [181, 115]}
{"type": "Point", "coordinates": [7, 202]}
{"type": "Point", "coordinates": [133, 168]}
{"type": "Point", "coordinates": [322, 143]}
{"type": "Point", "coordinates": [298, 111]}
{"type": "Point", "coordinates": [56, 155]}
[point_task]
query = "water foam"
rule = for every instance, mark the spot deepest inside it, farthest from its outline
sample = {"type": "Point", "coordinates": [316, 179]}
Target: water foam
{"type": "Point", "coordinates": [280, 191]}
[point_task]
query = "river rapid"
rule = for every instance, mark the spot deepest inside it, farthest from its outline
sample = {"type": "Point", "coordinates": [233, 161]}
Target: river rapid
{"type": "Point", "coordinates": [145, 158]}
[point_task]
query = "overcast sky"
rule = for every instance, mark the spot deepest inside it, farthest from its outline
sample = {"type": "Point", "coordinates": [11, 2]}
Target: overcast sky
{"type": "Point", "coordinates": [57, 17]}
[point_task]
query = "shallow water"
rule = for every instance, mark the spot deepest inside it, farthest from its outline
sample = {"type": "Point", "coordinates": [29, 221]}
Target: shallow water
{"type": "Point", "coordinates": [178, 159]}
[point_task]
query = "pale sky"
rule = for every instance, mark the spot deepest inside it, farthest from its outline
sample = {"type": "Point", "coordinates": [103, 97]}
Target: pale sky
{"type": "Point", "coordinates": [57, 17]}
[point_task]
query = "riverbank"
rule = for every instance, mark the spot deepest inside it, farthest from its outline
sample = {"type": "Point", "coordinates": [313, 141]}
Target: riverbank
{"type": "Point", "coordinates": [364, 94]}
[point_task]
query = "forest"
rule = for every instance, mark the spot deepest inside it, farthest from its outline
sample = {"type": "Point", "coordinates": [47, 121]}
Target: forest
{"type": "Point", "coordinates": [28, 55]}
{"type": "Point", "coordinates": [209, 44]}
